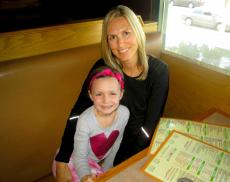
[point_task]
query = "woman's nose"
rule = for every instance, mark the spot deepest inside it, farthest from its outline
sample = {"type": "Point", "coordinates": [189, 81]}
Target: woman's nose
{"type": "Point", "coordinates": [120, 40]}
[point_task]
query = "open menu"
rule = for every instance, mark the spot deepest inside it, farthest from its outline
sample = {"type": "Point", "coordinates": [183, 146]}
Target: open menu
{"type": "Point", "coordinates": [182, 157]}
{"type": "Point", "coordinates": [216, 135]}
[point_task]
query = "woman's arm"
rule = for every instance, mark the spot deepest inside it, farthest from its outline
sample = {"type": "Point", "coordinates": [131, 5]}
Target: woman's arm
{"type": "Point", "coordinates": [158, 95]}
{"type": "Point", "coordinates": [82, 103]}
{"type": "Point", "coordinates": [63, 173]}
{"type": "Point", "coordinates": [66, 148]}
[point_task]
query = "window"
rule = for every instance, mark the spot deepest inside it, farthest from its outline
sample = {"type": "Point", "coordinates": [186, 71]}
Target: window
{"type": "Point", "coordinates": [198, 32]}
{"type": "Point", "coordinates": [26, 14]}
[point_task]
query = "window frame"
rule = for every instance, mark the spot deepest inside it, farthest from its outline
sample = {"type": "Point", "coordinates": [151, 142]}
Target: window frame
{"type": "Point", "coordinates": [162, 26]}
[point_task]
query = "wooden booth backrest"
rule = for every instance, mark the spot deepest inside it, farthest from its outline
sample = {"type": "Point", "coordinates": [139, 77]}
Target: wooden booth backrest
{"type": "Point", "coordinates": [37, 93]}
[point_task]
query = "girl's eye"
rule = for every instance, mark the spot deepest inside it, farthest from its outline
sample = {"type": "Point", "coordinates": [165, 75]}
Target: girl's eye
{"type": "Point", "coordinates": [98, 94]}
{"type": "Point", "coordinates": [113, 93]}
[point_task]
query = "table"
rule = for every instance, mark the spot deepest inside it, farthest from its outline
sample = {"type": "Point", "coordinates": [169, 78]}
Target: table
{"type": "Point", "coordinates": [130, 170]}
{"type": "Point", "coordinates": [215, 116]}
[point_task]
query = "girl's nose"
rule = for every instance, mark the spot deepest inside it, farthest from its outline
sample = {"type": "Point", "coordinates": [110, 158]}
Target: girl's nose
{"type": "Point", "coordinates": [105, 98]}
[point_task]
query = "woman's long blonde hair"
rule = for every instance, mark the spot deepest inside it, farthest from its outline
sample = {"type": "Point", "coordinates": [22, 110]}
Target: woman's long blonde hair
{"type": "Point", "coordinates": [109, 58]}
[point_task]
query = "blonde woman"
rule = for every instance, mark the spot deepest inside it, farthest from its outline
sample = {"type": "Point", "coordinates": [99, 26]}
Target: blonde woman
{"type": "Point", "coordinates": [146, 87]}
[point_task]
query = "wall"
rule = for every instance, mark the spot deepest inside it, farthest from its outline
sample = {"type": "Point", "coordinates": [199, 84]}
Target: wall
{"type": "Point", "coordinates": [36, 96]}
{"type": "Point", "coordinates": [195, 89]}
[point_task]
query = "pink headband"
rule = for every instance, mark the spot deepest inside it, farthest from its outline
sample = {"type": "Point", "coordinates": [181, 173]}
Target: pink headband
{"type": "Point", "coordinates": [108, 72]}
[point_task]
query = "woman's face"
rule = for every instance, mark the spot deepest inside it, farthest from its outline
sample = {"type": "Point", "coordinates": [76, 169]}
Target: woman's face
{"type": "Point", "coordinates": [122, 40]}
{"type": "Point", "coordinates": [105, 93]}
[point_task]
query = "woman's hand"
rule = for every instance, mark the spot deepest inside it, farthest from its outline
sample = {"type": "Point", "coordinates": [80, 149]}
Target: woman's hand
{"type": "Point", "coordinates": [63, 173]}
{"type": "Point", "coordinates": [88, 178]}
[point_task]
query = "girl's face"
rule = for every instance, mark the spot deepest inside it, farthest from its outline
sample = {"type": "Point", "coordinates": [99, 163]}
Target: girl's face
{"type": "Point", "coordinates": [106, 94]}
{"type": "Point", "coordinates": [122, 40]}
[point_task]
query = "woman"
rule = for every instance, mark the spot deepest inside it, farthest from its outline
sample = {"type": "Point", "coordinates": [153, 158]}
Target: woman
{"type": "Point", "coordinates": [146, 86]}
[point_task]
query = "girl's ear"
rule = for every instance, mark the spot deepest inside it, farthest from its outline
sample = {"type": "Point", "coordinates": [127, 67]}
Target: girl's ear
{"type": "Point", "coordinates": [90, 95]}
{"type": "Point", "coordinates": [122, 93]}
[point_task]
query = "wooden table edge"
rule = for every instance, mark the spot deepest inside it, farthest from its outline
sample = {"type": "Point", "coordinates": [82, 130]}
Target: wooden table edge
{"type": "Point", "coordinates": [117, 169]}
{"type": "Point", "coordinates": [210, 112]}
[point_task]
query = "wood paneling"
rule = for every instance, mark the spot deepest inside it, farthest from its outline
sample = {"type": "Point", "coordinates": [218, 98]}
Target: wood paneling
{"type": "Point", "coordinates": [33, 42]}
{"type": "Point", "coordinates": [38, 41]}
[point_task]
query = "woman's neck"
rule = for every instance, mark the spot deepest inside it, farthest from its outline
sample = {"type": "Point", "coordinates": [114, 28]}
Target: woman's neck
{"type": "Point", "coordinates": [132, 69]}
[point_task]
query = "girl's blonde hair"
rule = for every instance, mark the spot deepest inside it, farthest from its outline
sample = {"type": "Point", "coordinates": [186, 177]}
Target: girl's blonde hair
{"type": "Point", "coordinates": [109, 58]}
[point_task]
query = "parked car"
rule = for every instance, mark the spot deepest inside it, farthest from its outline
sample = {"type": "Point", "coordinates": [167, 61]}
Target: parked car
{"type": "Point", "coordinates": [205, 18]}
{"type": "Point", "coordinates": [187, 3]}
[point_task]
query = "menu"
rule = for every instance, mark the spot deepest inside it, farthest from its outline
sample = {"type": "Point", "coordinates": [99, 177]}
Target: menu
{"type": "Point", "coordinates": [216, 135]}
{"type": "Point", "coordinates": [182, 157]}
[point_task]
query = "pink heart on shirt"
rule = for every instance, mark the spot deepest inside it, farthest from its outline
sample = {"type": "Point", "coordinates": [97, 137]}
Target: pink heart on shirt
{"type": "Point", "coordinates": [100, 144]}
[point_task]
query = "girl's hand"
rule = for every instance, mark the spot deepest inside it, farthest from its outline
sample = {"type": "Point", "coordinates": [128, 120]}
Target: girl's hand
{"type": "Point", "coordinates": [63, 173]}
{"type": "Point", "coordinates": [88, 178]}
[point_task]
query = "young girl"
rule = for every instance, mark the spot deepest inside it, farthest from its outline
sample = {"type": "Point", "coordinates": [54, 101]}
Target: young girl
{"type": "Point", "coordinates": [100, 128]}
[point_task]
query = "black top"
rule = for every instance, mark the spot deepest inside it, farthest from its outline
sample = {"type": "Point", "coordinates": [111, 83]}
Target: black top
{"type": "Point", "coordinates": [144, 98]}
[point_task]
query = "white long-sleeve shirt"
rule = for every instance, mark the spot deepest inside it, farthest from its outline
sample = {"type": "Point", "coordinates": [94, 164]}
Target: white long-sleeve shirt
{"type": "Point", "coordinates": [95, 142]}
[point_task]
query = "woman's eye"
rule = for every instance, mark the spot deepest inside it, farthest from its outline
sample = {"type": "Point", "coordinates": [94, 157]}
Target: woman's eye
{"type": "Point", "coordinates": [98, 94]}
{"type": "Point", "coordinates": [112, 37]}
{"type": "Point", "coordinates": [126, 33]}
